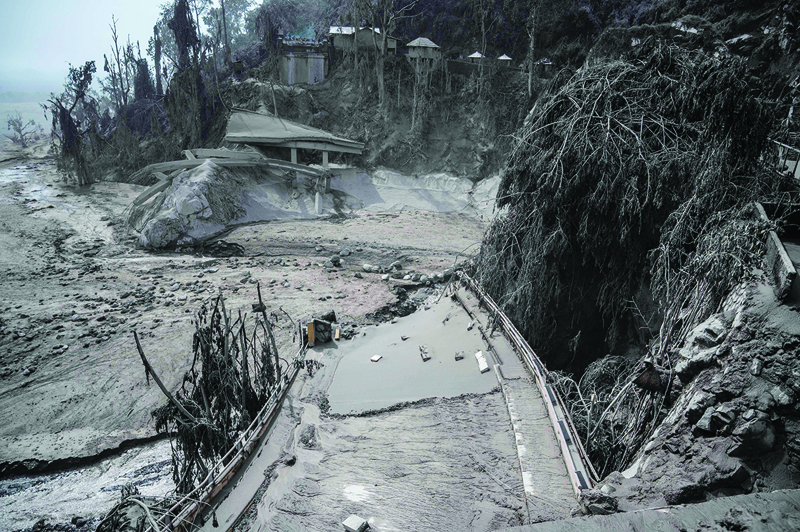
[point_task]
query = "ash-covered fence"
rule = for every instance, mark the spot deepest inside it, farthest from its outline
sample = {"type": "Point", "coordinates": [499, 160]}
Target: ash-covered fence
{"type": "Point", "coordinates": [182, 514]}
{"type": "Point", "coordinates": [582, 474]}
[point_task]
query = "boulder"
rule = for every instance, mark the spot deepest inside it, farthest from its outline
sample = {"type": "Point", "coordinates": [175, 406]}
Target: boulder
{"type": "Point", "coordinates": [754, 435]}
{"type": "Point", "coordinates": [693, 360]}
{"type": "Point", "coordinates": [328, 315]}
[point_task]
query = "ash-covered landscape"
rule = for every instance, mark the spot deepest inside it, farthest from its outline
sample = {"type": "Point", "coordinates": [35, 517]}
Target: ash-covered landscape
{"type": "Point", "coordinates": [472, 265]}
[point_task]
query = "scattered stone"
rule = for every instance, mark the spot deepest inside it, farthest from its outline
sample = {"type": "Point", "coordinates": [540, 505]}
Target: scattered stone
{"type": "Point", "coordinates": [396, 265]}
{"type": "Point", "coordinates": [358, 275]}
{"type": "Point", "coordinates": [423, 352]}
{"type": "Point", "coordinates": [404, 337]}
{"type": "Point", "coordinates": [595, 502]}
{"type": "Point", "coordinates": [355, 524]}
{"type": "Point", "coordinates": [336, 260]}
{"type": "Point", "coordinates": [345, 252]}
{"type": "Point", "coordinates": [175, 286]}
{"type": "Point", "coordinates": [459, 355]}
{"type": "Point", "coordinates": [318, 249]}
{"type": "Point", "coordinates": [368, 268]}
{"type": "Point", "coordinates": [328, 265]}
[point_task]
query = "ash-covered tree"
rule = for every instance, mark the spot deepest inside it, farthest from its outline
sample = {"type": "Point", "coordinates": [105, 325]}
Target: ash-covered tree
{"type": "Point", "coordinates": [74, 117]}
{"type": "Point", "coordinates": [619, 159]}
{"type": "Point", "coordinates": [22, 132]}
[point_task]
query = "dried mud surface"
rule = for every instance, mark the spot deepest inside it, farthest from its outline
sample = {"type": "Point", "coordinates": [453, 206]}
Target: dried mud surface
{"type": "Point", "coordinates": [75, 287]}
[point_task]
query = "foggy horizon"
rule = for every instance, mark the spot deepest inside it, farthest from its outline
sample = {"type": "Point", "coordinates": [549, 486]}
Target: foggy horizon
{"type": "Point", "coordinates": [40, 38]}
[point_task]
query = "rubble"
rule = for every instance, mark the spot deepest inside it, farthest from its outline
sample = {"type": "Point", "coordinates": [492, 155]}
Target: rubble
{"type": "Point", "coordinates": [734, 422]}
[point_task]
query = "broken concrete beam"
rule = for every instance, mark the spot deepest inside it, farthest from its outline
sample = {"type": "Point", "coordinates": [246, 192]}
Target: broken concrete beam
{"type": "Point", "coordinates": [423, 352]}
{"type": "Point", "coordinates": [483, 366]}
{"type": "Point", "coordinates": [355, 524]}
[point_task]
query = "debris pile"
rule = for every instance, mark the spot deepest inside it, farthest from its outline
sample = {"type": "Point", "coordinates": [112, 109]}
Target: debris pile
{"type": "Point", "coordinates": [235, 370]}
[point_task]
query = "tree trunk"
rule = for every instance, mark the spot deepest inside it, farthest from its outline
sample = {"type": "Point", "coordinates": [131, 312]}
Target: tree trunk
{"type": "Point", "coordinates": [534, 19]}
{"type": "Point", "coordinates": [225, 29]}
{"type": "Point", "coordinates": [157, 60]}
{"type": "Point", "coordinates": [483, 51]}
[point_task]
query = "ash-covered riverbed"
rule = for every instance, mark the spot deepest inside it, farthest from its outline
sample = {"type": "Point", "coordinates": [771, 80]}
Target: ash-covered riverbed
{"type": "Point", "coordinates": [87, 492]}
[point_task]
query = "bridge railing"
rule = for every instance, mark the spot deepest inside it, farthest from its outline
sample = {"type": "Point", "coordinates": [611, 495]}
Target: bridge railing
{"type": "Point", "coordinates": [182, 514]}
{"type": "Point", "coordinates": [788, 157]}
{"type": "Point", "coordinates": [581, 472]}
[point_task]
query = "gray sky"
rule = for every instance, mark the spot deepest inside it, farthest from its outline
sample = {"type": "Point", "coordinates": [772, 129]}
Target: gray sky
{"type": "Point", "coordinates": [38, 38]}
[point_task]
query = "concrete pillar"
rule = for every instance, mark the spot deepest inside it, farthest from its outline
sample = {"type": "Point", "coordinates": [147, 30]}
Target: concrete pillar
{"type": "Point", "coordinates": [318, 203]}
{"type": "Point", "coordinates": [324, 159]}
{"type": "Point", "coordinates": [294, 155]}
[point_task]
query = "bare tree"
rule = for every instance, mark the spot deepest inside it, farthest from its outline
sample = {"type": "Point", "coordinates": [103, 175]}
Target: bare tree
{"type": "Point", "coordinates": [22, 132]}
{"type": "Point", "coordinates": [533, 22]}
{"type": "Point", "coordinates": [118, 70]}
{"type": "Point", "coordinates": [157, 61]}
{"type": "Point", "coordinates": [385, 16]}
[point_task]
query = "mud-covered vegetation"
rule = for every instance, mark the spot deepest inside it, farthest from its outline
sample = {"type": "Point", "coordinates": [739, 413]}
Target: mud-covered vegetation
{"type": "Point", "coordinates": [626, 213]}
{"type": "Point", "coordinates": [235, 369]}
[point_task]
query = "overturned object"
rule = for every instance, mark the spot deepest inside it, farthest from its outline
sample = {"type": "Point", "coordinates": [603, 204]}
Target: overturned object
{"type": "Point", "coordinates": [482, 364]}
{"type": "Point", "coordinates": [355, 524]}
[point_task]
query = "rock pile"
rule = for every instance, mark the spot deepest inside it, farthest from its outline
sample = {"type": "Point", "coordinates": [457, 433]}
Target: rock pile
{"type": "Point", "coordinates": [734, 425]}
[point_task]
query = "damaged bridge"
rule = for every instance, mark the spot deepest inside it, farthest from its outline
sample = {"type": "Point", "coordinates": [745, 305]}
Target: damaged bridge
{"type": "Point", "coordinates": [412, 410]}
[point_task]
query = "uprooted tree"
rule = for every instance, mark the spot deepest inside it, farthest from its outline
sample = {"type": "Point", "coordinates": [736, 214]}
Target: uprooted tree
{"type": "Point", "coordinates": [235, 370]}
{"type": "Point", "coordinates": [629, 177]}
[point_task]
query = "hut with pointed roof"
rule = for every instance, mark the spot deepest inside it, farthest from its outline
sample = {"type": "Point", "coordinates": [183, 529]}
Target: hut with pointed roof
{"type": "Point", "coordinates": [423, 48]}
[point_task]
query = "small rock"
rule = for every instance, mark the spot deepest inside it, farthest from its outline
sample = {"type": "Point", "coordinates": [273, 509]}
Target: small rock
{"type": "Point", "coordinates": [781, 397]}
{"type": "Point", "coordinates": [336, 260]}
{"type": "Point", "coordinates": [396, 265]}
{"type": "Point", "coordinates": [175, 286]}
{"type": "Point", "coordinates": [328, 265]}
{"type": "Point", "coordinates": [318, 249]}
{"type": "Point", "coordinates": [368, 268]}
{"type": "Point", "coordinates": [358, 275]}
{"type": "Point", "coordinates": [404, 337]}
{"type": "Point", "coordinates": [385, 277]}
{"type": "Point", "coordinates": [756, 366]}
{"type": "Point", "coordinates": [26, 372]}
{"type": "Point", "coordinates": [345, 252]}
